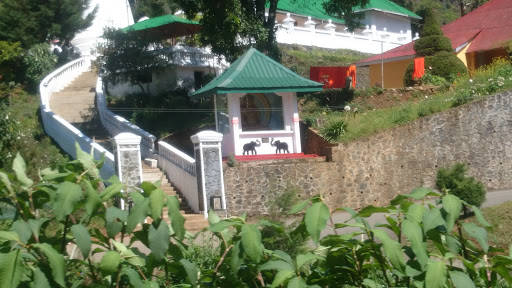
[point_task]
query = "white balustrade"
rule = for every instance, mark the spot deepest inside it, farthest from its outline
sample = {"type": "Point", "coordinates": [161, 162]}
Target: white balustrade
{"type": "Point", "coordinates": [370, 40]}
{"type": "Point", "coordinates": [65, 134]}
{"type": "Point", "coordinates": [181, 171]}
{"type": "Point", "coordinates": [116, 124]}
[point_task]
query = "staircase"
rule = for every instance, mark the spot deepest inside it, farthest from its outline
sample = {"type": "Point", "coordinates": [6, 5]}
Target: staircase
{"type": "Point", "coordinates": [193, 222]}
{"type": "Point", "coordinates": [76, 105]}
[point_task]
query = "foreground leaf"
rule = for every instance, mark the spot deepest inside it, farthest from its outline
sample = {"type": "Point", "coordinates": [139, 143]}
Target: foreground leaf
{"type": "Point", "coordinates": [159, 240]}
{"type": "Point", "coordinates": [281, 277]}
{"type": "Point", "coordinates": [316, 219]}
{"type": "Point", "coordinates": [156, 204]}
{"type": "Point", "coordinates": [82, 239]}
{"type": "Point", "coordinates": [478, 233]}
{"type": "Point", "coordinates": [67, 196]}
{"type": "Point", "coordinates": [251, 241]}
{"type": "Point", "coordinates": [20, 169]}
{"type": "Point", "coordinates": [436, 275]}
{"type": "Point", "coordinates": [393, 250]}
{"type": "Point", "coordinates": [191, 271]}
{"type": "Point", "coordinates": [11, 269]}
{"type": "Point", "coordinates": [453, 206]}
{"type": "Point", "coordinates": [109, 262]}
{"type": "Point", "coordinates": [461, 280]}
{"type": "Point", "coordinates": [177, 220]}
{"type": "Point", "coordinates": [56, 261]}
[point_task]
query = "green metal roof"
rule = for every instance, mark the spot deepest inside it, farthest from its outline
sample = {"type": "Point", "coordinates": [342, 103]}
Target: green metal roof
{"type": "Point", "coordinates": [165, 26]}
{"type": "Point", "coordinates": [315, 9]}
{"type": "Point", "coordinates": [388, 6]}
{"type": "Point", "coordinates": [255, 72]}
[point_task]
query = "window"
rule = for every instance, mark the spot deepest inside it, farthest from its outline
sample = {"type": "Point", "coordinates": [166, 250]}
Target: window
{"type": "Point", "coordinates": [261, 112]}
{"type": "Point", "coordinates": [222, 113]}
{"type": "Point", "coordinates": [198, 79]}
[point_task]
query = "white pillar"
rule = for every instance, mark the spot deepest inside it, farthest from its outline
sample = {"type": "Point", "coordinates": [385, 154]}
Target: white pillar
{"type": "Point", "coordinates": [210, 177]}
{"type": "Point", "coordinates": [128, 160]}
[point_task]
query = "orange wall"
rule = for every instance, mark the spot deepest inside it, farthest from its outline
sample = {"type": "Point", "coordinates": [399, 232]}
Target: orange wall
{"type": "Point", "coordinates": [393, 74]}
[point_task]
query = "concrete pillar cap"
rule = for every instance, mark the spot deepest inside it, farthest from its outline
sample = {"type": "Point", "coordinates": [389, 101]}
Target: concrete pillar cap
{"type": "Point", "coordinates": [206, 136]}
{"type": "Point", "coordinates": [126, 139]}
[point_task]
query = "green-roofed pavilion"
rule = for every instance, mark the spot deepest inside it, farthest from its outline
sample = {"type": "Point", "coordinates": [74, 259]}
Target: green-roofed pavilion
{"type": "Point", "coordinates": [256, 106]}
{"type": "Point", "coordinates": [255, 72]}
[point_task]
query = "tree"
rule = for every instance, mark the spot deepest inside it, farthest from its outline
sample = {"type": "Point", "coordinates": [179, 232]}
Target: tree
{"type": "Point", "coordinates": [34, 21]}
{"type": "Point", "coordinates": [231, 26]}
{"type": "Point", "coordinates": [152, 8]}
{"type": "Point", "coordinates": [128, 58]}
{"type": "Point", "coordinates": [454, 181]}
{"type": "Point", "coordinates": [39, 61]}
{"type": "Point", "coordinates": [438, 52]}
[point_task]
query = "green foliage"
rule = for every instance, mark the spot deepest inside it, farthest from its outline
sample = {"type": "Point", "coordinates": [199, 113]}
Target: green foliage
{"type": "Point", "coordinates": [430, 45]}
{"type": "Point", "coordinates": [253, 20]}
{"type": "Point", "coordinates": [8, 130]}
{"type": "Point", "coordinates": [392, 254]}
{"type": "Point", "coordinates": [164, 113]}
{"type": "Point", "coordinates": [39, 62]}
{"type": "Point", "coordinates": [455, 182]}
{"type": "Point", "coordinates": [152, 8]}
{"type": "Point", "coordinates": [128, 58]}
{"type": "Point", "coordinates": [431, 27]}
{"type": "Point", "coordinates": [231, 161]}
{"type": "Point", "coordinates": [429, 79]}
{"type": "Point", "coordinates": [443, 64]}
{"type": "Point", "coordinates": [446, 65]}
{"type": "Point", "coordinates": [10, 55]}
{"type": "Point", "coordinates": [333, 130]}
{"type": "Point", "coordinates": [31, 22]}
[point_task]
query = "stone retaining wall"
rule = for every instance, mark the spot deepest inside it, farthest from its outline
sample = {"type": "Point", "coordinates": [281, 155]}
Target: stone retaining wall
{"type": "Point", "coordinates": [376, 169]}
{"type": "Point", "coordinates": [398, 160]}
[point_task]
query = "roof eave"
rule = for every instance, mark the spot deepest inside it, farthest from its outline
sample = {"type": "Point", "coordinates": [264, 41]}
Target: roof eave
{"type": "Point", "coordinates": [407, 57]}
{"type": "Point", "coordinates": [389, 12]}
{"type": "Point", "coordinates": [218, 90]}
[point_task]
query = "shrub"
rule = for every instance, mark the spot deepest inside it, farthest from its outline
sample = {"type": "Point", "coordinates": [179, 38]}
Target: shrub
{"type": "Point", "coordinates": [446, 65]}
{"type": "Point", "coordinates": [39, 62]}
{"type": "Point", "coordinates": [334, 130]}
{"type": "Point", "coordinates": [454, 181]}
{"type": "Point", "coordinates": [417, 243]}
{"type": "Point", "coordinates": [335, 97]}
{"type": "Point", "coordinates": [430, 79]}
{"type": "Point", "coordinates": [428, 46]}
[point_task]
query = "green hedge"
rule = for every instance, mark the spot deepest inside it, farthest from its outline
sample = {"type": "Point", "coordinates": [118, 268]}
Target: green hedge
{"type": "Point", "coordinates": [443, 64]}
{"type": "Point", "coordinates": [428, 46]}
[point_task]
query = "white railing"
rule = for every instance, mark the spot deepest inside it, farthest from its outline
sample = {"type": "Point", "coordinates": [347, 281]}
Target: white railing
{"type": "Point", "coordinates": [116, 124]}
{"type": "Point", "coordinates": [181, 171]}
{"type": "Point", "coordinates": [60, 130]}
{"type": "Point", "coordinates": [190, 56]}
{"type": "Point", "coordinates": [370, 40]}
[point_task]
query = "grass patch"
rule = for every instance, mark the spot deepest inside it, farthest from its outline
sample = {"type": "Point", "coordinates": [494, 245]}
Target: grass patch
{"type": "Point", "coordinates": [30, 141]}
{"type": "Point", "coordinates": [299, 59]}
{"type": "Point", "coordinates": [500, 217]}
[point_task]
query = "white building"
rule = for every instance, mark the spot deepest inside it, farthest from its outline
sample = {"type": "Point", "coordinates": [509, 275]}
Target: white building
{"type": "Point", "coordinates": [386, 26]}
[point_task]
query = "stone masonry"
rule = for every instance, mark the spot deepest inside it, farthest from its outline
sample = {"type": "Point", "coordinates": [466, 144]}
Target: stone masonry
{"type": "Point", "coordinates": [376, 169]}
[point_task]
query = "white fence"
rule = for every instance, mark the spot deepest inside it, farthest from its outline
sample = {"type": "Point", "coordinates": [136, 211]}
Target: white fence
{"type": "Point", "coordinates": [370, 40]}
{"type": "Point", "coordinates": [181, 171]}
{"type": "Point", "coordinates": [60, 130]}
{"type": "Point", "coordinates": [191, 56]}
{"type": "Point", "coordinates": [116, 124]}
